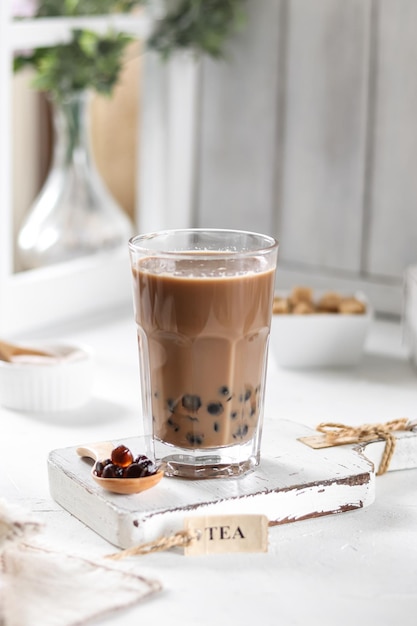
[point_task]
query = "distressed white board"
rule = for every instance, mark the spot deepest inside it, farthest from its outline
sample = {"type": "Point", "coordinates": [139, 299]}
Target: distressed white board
{"type": "Point", "coordinates": [293, 482]}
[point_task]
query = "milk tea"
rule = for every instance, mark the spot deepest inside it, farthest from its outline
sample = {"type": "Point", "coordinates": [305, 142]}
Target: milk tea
{"type": "Point", "coordinates": [204, 325]}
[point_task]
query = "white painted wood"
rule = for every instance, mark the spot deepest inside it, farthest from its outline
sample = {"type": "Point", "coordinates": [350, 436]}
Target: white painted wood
{"type": "Point", "coordinates": [183, 83]}
{"type": "Point", "coordinates": [393, 185]}
{"type": "Point", "coordinates": [292, 483]}
{"type": "Point", "coordinates": [46, 296]}
{"type": "Point", "coordinates": [313, 139]}
{"type": "Point", "coordinates": [237, 143]}
{"type": "Point", "coordinates": [5, 150]}
{"type": "Point", "coordinates": [37, 298]}
{"type": "Point", "coordinates": [306, 131]}
{"type": "Point", "coordinates": [324, 141]}
{"type": "Point", "coordinates": [48, 31]}
{"type": "Point", "coordinates": [405, 453]}
{"type": "Point", "coordinates": [167, 142]}
{"type": "Point", "coordinates": [28, 125]}
{"type": "Point", "coordinates": [405, 450]}
{"type": "Point", "coordinates": [410, 311]}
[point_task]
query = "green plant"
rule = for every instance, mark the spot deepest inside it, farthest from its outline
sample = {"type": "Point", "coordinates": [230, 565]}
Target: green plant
{"type": "Point", "coordinates": [94, 61]}
{"type": "Point", "coordinates": [200, 25]}
{"type": "Point", "coordinates": [87, 61]}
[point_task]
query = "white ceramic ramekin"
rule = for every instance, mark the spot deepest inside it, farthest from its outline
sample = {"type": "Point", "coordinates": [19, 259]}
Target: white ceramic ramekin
{"type": "Point", "coordinates": [320, 340]}
{"type": "Point", "coordinates": [61, 383]}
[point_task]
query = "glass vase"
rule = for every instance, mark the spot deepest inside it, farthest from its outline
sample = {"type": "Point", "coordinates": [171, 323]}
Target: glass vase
{"type": "Point", "coordinates": [74, 214]}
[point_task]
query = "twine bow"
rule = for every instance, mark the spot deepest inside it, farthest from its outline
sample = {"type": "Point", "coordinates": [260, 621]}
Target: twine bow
{"type": "Point", "coordinates": [340, 433]}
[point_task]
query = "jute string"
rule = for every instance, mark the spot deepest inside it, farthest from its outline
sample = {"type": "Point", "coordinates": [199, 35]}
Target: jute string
{"type": "Point", "coordinates": [181, 539]}
{"type": "Point", "coordinates": [341, 433]}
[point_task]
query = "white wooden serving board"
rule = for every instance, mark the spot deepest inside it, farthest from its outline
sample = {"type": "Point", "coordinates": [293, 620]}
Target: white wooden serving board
{"type": "Point", "coordinates": [293, 482]}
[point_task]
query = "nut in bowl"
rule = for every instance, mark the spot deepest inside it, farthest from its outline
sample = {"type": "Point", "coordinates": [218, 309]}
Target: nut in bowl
{"type": "Point", "coordinates": [325, 329]}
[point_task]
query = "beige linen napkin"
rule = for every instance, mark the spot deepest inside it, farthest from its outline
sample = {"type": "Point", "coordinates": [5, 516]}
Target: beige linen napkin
{"type": "Point", "coordinates": [41, 586]}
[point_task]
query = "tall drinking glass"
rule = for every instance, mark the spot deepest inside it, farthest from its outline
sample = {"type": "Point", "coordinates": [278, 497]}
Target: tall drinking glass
{"type": "Point", "coordinates": [203, 305]}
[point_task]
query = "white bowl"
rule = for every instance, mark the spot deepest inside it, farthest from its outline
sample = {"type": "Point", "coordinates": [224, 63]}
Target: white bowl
{"type": "Point", "coordinates": [319, 339]}
{"type": "Point", "coordinates": [40, 384]}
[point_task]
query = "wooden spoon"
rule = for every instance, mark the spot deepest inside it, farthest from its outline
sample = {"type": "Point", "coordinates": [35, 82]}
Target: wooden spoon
{"type": "Point", "coordinates": [9, 350]}
{"type": "Point", "coordinates": [103, 450]}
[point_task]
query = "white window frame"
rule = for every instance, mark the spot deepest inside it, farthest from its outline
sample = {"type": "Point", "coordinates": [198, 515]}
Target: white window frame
{"type": "Point", "coordinates": [51, 295]}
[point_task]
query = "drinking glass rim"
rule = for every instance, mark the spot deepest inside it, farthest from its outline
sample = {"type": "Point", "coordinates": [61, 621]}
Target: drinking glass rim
{"type": "Point", "coordinates": [271, 242]}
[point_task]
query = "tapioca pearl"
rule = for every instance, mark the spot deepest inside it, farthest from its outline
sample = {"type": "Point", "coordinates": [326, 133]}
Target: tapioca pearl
{"type": "Point", "coordinates": [121, 456]}
{"type": "Point", "coordinates": [148, 467]}
{"type": "Point", "coordinates": [142, 466]}
{"type": "Point", "coordinates": [191, 402]}
{"type": "Point", "coordinates": [156, 395]}
{"type": "Point", "coordinates": [133, 471]}
{"type": "Point", "coordinates": [233, 415]}
{"type": "Point", "coordinates": [241, 432]}
{"type": "Point", "coordinates": [192, 418]}
{"type": "Point", "coordinates": [171, 405]}
{"type": "Point", "coordinates": [173, 425]}
{"type": "Point", "coordinates": [244, 397]}
{"type": "Point", "coordinates": [112, 471]}
{"type": "Point", "coordinates": [215, 408]}
{"type": "Point", "coordinates": [252, 411]}
{"type": "Point", "coordinates": [216, 427]}
{"type": "Point", "coordinates": [100, 465]}
{"type": "Point", "coordinates": [195, 438]}
{"type": "Point", "coordinates": [224, 391]}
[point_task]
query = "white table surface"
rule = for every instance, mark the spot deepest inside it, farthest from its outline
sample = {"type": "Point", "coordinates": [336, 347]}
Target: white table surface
{"type": "Point", "coordinates": [358, 567]}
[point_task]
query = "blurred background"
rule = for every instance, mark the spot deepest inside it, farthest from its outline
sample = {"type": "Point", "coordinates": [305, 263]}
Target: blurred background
{"type": "Point", "coordinates": [306, 130]}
